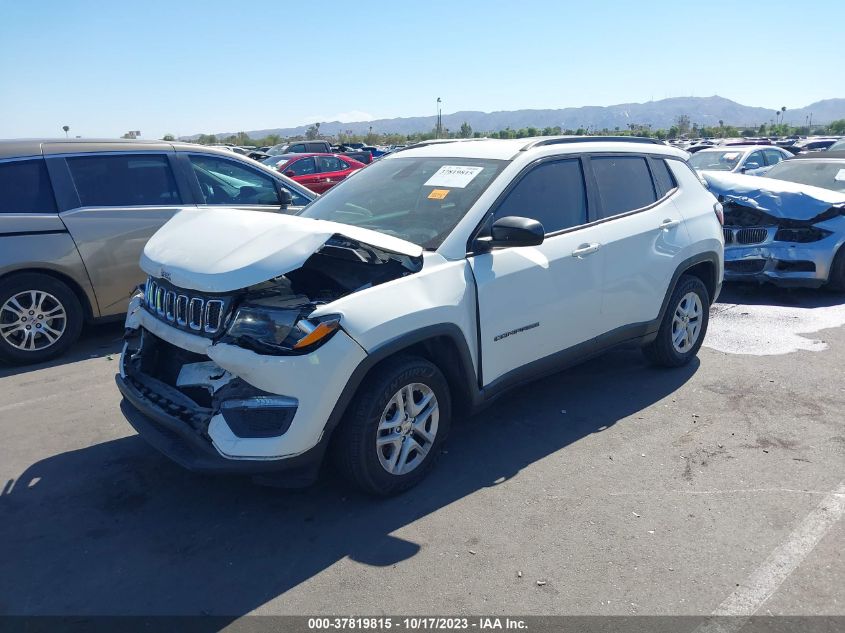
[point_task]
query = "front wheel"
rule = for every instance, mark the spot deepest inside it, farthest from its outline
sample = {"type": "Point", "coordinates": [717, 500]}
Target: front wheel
{"type": "Point", "coordinates": [836, 279]}
{"type": "Point", "coordinates": [393, 430]}
{"type": "Point", "coordinates": [683, 326]}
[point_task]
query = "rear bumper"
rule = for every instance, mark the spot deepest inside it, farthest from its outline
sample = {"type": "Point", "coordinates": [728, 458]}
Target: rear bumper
{"type": "Point", "coordinates": [190, 449]}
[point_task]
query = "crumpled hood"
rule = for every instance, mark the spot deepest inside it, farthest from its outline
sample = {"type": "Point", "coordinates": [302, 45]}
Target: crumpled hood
{"type": "Point", "coordinates": [779, 198]}
{"type": "Point", "coordinates": [222, 249]}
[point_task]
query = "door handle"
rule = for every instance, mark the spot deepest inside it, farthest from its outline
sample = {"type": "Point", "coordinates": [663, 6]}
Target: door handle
{"type": "Point", "coordinates": [586, 249]}
{"type": "Point", "coordinates": [669, 224]}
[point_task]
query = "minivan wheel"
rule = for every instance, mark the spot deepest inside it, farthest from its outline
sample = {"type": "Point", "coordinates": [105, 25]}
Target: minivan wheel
{"type": "Point", "coordinates": [394, 427]}
{"type": "Point", "coordinates": [683, 326]}
{"type": "Point", "coordinates": [40, 317]}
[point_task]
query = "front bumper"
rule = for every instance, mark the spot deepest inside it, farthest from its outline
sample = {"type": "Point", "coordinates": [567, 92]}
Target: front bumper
{"type": "Point", "coordinates": [172, 437]}
{"type": "Point", "coordinates": [216, 407]}
{"type": "Point", "coordinates": [782, 263]}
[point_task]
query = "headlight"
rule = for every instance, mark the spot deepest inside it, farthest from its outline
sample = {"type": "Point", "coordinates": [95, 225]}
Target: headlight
{"type": "Point", "coordinates": [802, 235]}
{"type": "Point", "coordinates": [270, 329]}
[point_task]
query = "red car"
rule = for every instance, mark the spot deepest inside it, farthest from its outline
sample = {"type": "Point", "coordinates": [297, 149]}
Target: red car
{"type": "Point", "coordinates": [318, 172]}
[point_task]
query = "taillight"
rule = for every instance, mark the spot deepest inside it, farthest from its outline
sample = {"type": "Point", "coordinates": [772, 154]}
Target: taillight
{"type": "Point", "coordinates": [720, 212]}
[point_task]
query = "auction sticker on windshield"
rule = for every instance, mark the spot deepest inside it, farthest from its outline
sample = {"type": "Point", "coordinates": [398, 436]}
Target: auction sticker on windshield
{"type": "Point", "coordinates": [457, 176]}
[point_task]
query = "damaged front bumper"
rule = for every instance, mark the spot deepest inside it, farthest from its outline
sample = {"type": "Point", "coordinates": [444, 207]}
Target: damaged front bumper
{"type": "Point", "coordinates": [214, 407]}
{"type": "Point", "coordinates": [784, 264]}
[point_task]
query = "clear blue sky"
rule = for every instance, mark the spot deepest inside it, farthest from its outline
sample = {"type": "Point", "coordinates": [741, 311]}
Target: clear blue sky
{"type": "Point", "coordinates": [188, 66]}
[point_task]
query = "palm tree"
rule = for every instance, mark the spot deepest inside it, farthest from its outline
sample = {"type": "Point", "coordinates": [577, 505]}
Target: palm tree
{"type": "Point", "coordinates": [66, 129]}
{"type": "Point", "coordinates": [782, 113]}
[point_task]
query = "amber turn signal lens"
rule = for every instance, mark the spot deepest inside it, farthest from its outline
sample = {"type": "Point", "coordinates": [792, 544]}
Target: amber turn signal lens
{"type": "Point", "coordinates": [318, 333]}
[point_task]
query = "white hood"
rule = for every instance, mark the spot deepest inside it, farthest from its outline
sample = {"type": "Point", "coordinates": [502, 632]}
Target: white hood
{"type": "Point", "coordinates": [222, 249]}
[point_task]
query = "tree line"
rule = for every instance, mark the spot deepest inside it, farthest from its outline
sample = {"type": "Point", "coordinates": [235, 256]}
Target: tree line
{"type": "Point", "coordinates": [683, 127]}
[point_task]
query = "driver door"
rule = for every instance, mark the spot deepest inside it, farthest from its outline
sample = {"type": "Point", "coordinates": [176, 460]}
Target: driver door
{"type": "Point", "coordinates": [536, 301]}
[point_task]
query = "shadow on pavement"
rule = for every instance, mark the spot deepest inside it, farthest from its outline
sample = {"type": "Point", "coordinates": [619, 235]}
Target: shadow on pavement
{"type": "Point", "coordinates": [117, 529]}
{"type": "Point", "coordinates": [769, 294]}
{"type": "Point", "coordinates": [96, 341]}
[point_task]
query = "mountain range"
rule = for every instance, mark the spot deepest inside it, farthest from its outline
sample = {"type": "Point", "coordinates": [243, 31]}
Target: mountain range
{"type": "Point", "coordinates": [659, 114]}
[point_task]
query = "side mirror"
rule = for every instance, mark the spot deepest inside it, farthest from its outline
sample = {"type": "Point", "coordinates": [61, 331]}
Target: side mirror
{"type": "Point", "coordinates": [514, 231]}
{"type": "Point", "coordinates": [750, 166]}
{"type": "Point", "coordinates": [285, 197]}
{"type": "Point", "coordinates": [290, 173]}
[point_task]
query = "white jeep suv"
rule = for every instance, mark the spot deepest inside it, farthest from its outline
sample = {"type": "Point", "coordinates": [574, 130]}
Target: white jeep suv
{"type": "Point", "coordinates": [418, 290]}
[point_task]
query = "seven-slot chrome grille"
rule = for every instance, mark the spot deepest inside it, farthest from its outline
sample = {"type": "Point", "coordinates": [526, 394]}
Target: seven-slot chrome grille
{"type": "Point", "coordinates": [186, 309]}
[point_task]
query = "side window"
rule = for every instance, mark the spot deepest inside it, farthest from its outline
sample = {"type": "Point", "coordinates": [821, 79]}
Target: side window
{"type": "Point", "coordinates": [773, 157]}
{"type": "Point", "coordinates": [225, 181]}
{"type": "Point", "coordinates": [123, 180]}
{"type": "Point", "coordinates": [624, 183]}
{"type": "Point", "coordinates": [25, 187]}
{"type": "Point", "coordinates": [297, 149]}
{"type": "Point", "coordinates": [552, 193]}
{"type": "Point", "coordinates": [330, 163]}
{"type": "Point", "coordinates": [663, 178]}
{"type": "Point", "coordinates": [302, 167]}
{"type": "Point", "coordinates": [754, 157]}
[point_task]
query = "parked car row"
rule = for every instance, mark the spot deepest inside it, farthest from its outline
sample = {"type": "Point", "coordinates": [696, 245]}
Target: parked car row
{"type": "Point", "coordinates": [318, 172]}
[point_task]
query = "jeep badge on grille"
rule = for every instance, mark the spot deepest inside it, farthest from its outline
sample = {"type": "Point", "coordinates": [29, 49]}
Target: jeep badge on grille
{"type": "Point", "coordinates": [165, 275]}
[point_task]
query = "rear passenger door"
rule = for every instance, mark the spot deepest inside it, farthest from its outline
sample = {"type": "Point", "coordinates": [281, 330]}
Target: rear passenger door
{"type": "Point", "coordinates": [643, 235]}
{"type": "Point", "coordinates": [536, 301]}
{"type": "Point", "coordinates": [121, 200]}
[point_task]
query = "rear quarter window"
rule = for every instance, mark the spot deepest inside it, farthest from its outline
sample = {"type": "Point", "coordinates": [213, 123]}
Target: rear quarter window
{"type": "Point", "coordinates": [663, 178]}
{"type": "Point", "coordinates": [25, 187]}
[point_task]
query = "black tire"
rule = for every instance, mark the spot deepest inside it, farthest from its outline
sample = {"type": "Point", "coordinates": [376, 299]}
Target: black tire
{"type": "Point", "coordinates": [72, 326]}
{"type": "Point", "coordinates": [354, 443]}
{"type": "Point", "coordinates": [661, 351]}
{"type": "Point", "coordinates": [836, 278]}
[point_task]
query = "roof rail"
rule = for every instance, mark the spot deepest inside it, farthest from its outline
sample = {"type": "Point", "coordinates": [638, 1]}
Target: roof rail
{"type": "Point", "coordinates": [561, 140]}
{"type": "Point", "coordinates": [438, 141]}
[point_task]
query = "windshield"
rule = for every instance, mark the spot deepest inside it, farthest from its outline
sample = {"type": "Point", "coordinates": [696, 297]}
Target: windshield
{"type": "Point", "coordinates": [417, 199]}
{"type": "Point", "coordinates": [278, 149]}
{"type": "Point", "coordinates": [715, 161]}
{"type": "Point", "coordinates": [274, 161]}
{"type": "Point", "coordinates": [824, 174]}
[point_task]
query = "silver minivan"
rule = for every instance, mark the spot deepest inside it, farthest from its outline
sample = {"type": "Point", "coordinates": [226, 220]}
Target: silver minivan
{"type": "Point", "coordinates": [75, 215]}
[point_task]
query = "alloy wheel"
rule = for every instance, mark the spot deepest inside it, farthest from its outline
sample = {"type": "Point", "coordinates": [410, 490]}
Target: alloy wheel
{"type": "Point", "coordinates": [32, 320]}
{"type": "Point", "coordinates": [407, 428]}
{"type": "Point", "coordinates": [686, 323]}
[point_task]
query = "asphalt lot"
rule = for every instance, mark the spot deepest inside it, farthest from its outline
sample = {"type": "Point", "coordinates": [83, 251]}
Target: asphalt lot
{"type": "Point", "coordinates": [621, 488]}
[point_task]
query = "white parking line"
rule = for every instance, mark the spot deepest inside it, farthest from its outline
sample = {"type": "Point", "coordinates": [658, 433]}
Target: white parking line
{"type": "Point", "coordinates": [763, 583]}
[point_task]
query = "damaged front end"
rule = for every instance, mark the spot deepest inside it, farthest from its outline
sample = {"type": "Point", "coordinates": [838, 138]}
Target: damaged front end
{"type": "Point", "coordinates": [246, 379]}
{"type": "Point", "coordinates": [777, 231]}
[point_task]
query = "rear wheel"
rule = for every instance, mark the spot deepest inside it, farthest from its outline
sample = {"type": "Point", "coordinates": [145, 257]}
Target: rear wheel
{"type": "Point", "coordinates": [40, 317]}
{"type": "Point", "coordinates": [683, 326]}
{"type": "Point", "coordinates": [391, 435]}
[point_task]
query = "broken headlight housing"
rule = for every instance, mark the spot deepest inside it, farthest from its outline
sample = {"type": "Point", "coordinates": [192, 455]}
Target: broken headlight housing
{"type": "Point", "coordinates": [277, 327]}
{"type": "Point", "coordinates": [802, 235]}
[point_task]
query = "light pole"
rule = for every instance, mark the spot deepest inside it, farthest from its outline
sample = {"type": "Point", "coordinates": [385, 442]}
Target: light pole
{"type": "Point", "coordinates": [439, 123]}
